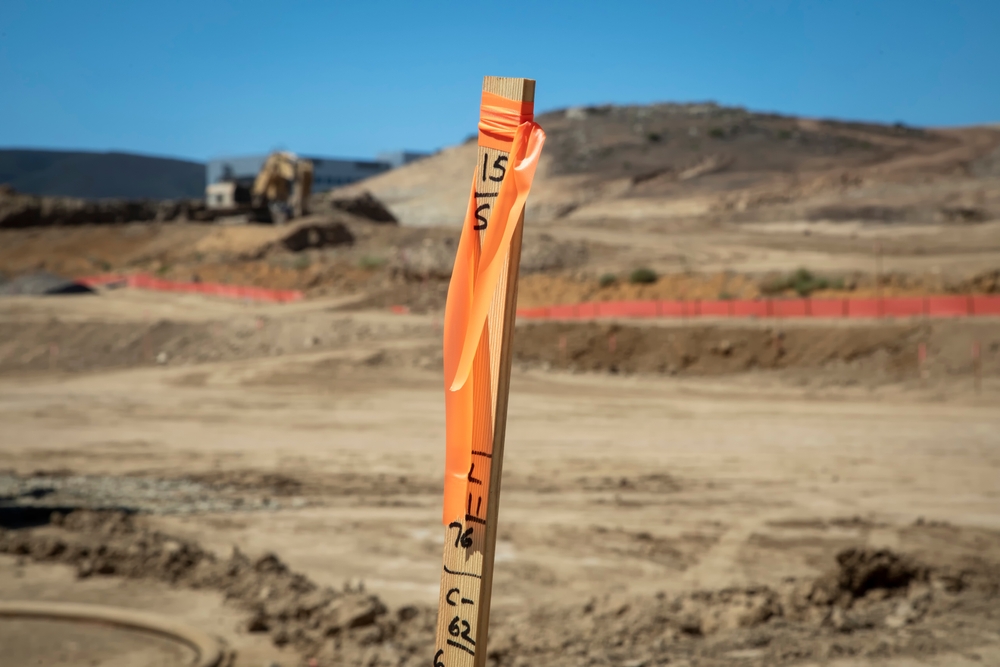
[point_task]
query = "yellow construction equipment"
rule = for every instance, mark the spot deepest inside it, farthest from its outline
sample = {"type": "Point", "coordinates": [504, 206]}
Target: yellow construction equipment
{"type": "Point", "coordinates": [279, 192]}
{"type": "Point", "coordinates": [283, 186]}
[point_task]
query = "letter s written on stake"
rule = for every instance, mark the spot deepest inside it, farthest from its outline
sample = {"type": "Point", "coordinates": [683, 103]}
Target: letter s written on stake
{"type": "Point", "coordinates": [481, 218]}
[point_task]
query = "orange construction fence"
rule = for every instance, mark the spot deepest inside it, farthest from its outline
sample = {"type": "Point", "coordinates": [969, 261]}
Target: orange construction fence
{"type": "Point", "coordinates": [926, 306]}
{"type": "Point", "coordinates": [146, 281]}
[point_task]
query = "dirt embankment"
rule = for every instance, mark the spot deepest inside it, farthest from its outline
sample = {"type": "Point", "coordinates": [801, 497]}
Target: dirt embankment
{"type": "Point", "coordinates": [669, 162]}
{"type": "Point", "coordinates": [73, 346]}
{"type": "Point", "coordinates": [332, 254]}
{"type": "Point", "coordinates": [291, 608]}
{"type": "Point", "coordinates": [22, 210]}
{"type": "Point", "coordinates": [882, 352]}
{"type": "Point", "coordinates": [837, 352]}
{"type": "Point", "coordinates": [873, 602]}
{"type": "Point", "coordinates": [386, 265]}
{"type": "Point", "coordinates": [548, 289]}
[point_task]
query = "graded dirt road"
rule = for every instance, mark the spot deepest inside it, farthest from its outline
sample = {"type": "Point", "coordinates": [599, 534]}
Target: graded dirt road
{"type": "Point", "coordinates": [616, 488]}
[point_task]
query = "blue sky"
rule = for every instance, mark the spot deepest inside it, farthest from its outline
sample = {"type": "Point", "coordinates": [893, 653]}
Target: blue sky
{"type": "Point", "coordinates": [203, 79]}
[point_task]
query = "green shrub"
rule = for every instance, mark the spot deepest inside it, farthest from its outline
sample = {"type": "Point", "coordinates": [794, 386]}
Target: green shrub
{"type": "Point", "coordinates": [302, 263]}
{"type": "Point", "coordinates": [717, 133]}
{"type": "Point", "coordinates": [371, 262]}
{"type": "Point", "coordinates": [607, 280]}
{"type": "Point", "coordinates": [642, 276]}
{"type": "Point", "coordinates": [802, 282]}
{"type": "Point", "coordinates": [725, 296]}
{"type": "Point", "coordinates": [654, 137]}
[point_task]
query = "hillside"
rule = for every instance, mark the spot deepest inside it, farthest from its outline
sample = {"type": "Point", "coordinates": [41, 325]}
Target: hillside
{"type": "Point", "coordinates": [685, 162]}
{"type": "Point", "coordinates": [720, 202]}
{"type": "Point", "coordinates": [100, 175]}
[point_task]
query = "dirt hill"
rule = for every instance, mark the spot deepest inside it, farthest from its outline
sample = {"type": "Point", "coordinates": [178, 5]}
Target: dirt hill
{"type": "Point", "coordinates": [718, 202]}
{"type": "Point", "coordinates": [671, 162]}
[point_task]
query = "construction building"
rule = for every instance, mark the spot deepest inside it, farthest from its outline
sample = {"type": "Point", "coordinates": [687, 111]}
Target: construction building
{"type": "Point", "coordinates": [327, 172]}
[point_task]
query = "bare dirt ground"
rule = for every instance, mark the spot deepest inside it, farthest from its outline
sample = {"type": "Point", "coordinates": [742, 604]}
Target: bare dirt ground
{"type": "Point", "coordinates": [836, 510]}
{"type": "Point", "coordinates": [675, 493]}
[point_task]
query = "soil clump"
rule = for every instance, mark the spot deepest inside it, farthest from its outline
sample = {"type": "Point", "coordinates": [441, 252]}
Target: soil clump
{"type": "Point", "coordinates": [874, 603]}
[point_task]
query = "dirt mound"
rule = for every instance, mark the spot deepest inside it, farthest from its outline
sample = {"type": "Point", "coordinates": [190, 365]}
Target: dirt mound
{"type": "Point", "coordinates": [364, 205]}
{"type": "Point", "coordinates": [20, 210]}
{"type": "Point", "coordinates": [844, 352]}
{"type": "Point", "coordinates": [543, 253]}
{"type": "Point", "coordinates": [837, 352]}
{"type": "Point", "coordinates": [24, 497]}
{"type": "Point", "coordinates": [986, 282]}
{"type": "Point", "coordinates": [292, 609]}
{"type": "Point", "coordinates": [555, 289]}
{"type": "Point", "coordinates": [686, 161]}
{"type": "Point", "coordinates": [42, 283]}
{"type": "Point", "coordinates": [847, 611]}
{"type": "Point", "coordinates": [433, 258]}
{"type": "Point", "coordinates": [759, 625]}
{"type": "Point", "coordinates": [335, 485]}
{"type": "Point", "coordinates": [711, 350]}
{"type": "Point", "coordinates": [73, 346]}
{"type": "Point", "coordinates": [552, 288]}
{"type": "Point", "coordinates": [318, 236]}
{"type": "Point", "coordinates": [863, 570]}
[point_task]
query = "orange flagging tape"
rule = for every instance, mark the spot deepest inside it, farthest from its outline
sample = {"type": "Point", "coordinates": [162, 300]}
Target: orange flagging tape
{"type": "Point", "coordinates": [970, 305]}
{"type": "Point", "coordinates": [474, 281]}
{"type": "Point", "coordinates": [500, 118]}
{"type": "Point", "coordinates": [145, 281]}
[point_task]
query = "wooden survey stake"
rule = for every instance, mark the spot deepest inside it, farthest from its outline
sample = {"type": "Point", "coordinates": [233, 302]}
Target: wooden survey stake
{"type": "Point", "coordinates": [469, 546]}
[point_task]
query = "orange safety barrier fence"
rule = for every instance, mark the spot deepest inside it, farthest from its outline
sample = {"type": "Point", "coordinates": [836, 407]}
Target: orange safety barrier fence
{"type": "Point", "coordinates": [888, 307]}
{"type": "Point", "coordinates": [146, 281]}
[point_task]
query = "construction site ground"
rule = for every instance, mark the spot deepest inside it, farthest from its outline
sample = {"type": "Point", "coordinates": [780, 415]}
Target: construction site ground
{"type": "Point", "coordinates": [650, 515]}
{"type": "Point", "coordinates": [747, 493]}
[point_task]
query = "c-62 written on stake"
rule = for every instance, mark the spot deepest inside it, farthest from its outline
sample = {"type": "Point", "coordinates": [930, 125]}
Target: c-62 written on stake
{"type": "Point", "coordinates": [478, 328]}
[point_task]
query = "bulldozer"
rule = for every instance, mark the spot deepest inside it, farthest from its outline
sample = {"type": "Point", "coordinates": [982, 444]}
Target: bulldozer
{"type": "Point", "coordinates": [279, 192]}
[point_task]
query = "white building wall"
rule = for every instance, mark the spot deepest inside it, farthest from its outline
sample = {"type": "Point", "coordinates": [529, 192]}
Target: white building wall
{"type": "Point", "coordinates": [327, 172]}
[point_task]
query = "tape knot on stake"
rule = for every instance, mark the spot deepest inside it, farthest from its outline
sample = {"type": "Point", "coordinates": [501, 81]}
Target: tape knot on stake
{"type": "Point", "coordinates": [499, 119]}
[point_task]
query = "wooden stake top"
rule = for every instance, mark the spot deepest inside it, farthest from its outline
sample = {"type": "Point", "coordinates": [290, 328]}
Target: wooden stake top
{"type": "Point", "coordinates": [522, 90]}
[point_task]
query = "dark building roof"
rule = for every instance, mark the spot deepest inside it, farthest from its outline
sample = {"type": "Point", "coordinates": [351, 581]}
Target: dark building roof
{"type": "Point", "coordinates": [100, 175]}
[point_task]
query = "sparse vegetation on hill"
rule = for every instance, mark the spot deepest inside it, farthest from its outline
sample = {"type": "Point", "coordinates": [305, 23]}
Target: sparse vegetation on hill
{"type": "Point", "coordinates": [802, 282]}
{"type": "Point", "coordinates": [663, 164]}
{"type": "Point", "coordinates": [642, 276]}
